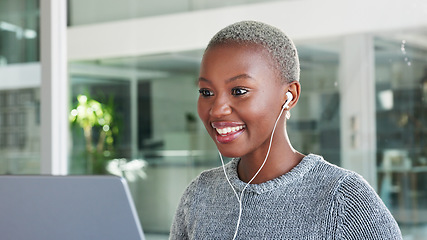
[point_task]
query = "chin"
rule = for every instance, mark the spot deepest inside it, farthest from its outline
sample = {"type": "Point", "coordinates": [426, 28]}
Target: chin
{"type": "Point", "coordinates": [228, 152]}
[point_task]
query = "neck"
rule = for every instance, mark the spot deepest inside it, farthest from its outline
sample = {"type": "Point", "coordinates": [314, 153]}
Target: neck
{"type": "Point", "coordinates": [281, 159]}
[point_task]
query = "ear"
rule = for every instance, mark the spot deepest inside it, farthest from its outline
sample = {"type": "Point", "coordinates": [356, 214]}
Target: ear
{"type": "Point", "coordinates": [295, 89]}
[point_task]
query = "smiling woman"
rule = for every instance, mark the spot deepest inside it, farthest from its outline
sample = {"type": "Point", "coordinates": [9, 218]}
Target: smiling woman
{"type": "Point", "coordinates": [249, 76]}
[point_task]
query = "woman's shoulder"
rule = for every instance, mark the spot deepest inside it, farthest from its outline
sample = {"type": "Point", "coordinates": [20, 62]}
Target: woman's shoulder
{"type": "Point", "coordinates": [328, 170]}
{"type": "Point", "coordinates": [211, 173]}
{"type": "Point", "coordinates": [345, 181]}
{"type": "Point", "coordinates": [356, 204]}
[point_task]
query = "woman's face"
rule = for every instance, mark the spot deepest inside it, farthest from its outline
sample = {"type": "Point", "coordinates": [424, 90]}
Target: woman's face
{"type": "Point", "coordinates": [240, 98]}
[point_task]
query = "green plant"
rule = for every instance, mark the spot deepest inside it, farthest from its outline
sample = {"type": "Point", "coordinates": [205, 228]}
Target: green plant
{"type": "Point", "coordinates": [92, 115]}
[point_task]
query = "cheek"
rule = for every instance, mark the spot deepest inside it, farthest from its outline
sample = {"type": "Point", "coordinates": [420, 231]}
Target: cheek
{"type": "Point", "coordinates": [260, 113]}
{"type": "Point", "coordinates": [263, 105]}
{"type": "Point", "coordinates": [253, 115]}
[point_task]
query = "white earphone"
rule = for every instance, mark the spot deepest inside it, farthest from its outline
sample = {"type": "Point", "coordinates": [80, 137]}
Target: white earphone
{"type": "Point", "coordinates": [290, 97]}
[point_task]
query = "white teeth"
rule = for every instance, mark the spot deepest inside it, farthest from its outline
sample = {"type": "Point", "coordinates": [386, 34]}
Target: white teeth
{"type": "Point", "coordinates": [227, 130]}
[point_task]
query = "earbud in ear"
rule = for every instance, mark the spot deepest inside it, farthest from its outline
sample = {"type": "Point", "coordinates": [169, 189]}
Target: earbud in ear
{"type": "Point", "coordinates": [290, 97]}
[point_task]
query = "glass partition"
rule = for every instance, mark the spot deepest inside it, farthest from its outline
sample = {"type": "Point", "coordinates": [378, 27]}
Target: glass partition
{"type": "Point", "coordinates": [99, 122]}
{"type": "Point", "coordinates": [19, 31]}
{"type": "Point", "coordinates": [401, 99]}
{"type": "Point", "coordinates": [19, 87]}
{"type": "Point", "coordinates": [159, 144]}
{"type": "Point", "coordinates": [314, 126]}
{"type": "Point", "coordinates": [19, 131]}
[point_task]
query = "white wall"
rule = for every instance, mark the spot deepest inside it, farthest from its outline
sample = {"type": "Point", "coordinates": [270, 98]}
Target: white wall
{"type": "Point", "coordinates": [17, 76]}
{"type": "Point", "coordinates": [357, 106]}
{"type": "Point", "coordinates": [81, 11]}
{"type": "Point", "coordinates": [302, 20]}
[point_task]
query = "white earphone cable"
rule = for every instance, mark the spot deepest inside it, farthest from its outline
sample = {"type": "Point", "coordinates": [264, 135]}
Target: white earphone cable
{"type": "Point", "coordinates": [240, 199]}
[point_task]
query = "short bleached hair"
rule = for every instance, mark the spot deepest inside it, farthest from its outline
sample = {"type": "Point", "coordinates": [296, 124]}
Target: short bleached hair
{"type": "Point", "coordinates": [280, 47]}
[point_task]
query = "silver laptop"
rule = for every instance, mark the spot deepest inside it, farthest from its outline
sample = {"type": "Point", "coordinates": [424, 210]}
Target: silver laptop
{"type": "Point", "coordinates": [67, 207]}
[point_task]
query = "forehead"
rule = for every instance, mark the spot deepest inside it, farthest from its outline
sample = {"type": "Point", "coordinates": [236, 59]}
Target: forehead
{"type": "Point", "coordinates": [237, 58]}
{"type": "Point", "coordinates": [240, 48]}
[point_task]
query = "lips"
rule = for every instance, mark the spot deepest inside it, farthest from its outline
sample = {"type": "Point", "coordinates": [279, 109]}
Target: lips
{"type": "Point", "coordinates": [227, 131]}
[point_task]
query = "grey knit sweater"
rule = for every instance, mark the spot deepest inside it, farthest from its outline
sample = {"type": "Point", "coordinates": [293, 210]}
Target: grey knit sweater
{"type": "Point", "coordinates": [315, 200]}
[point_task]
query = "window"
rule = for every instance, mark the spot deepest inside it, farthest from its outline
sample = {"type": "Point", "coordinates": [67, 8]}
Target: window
{"type": "Point", "coordinates": [401, 101]}
{"type": "Point", "coordinates": [19, 87]}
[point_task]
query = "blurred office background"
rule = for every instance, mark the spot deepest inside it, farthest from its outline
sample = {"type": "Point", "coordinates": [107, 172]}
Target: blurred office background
{"type": "Point", "coordinates": [125, 102]}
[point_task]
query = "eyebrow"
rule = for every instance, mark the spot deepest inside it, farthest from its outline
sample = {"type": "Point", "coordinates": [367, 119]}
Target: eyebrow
{"type": "Point", "coordinates": [232, 79]}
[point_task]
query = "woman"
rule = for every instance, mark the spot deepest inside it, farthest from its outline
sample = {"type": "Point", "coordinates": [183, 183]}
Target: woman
{"type": "Point", "coordinates": [249, 77]}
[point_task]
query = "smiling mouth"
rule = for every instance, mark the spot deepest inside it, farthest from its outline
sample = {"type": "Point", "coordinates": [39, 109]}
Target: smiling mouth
{"type": "Point", "coordinates": [226, 132]}
{"type": "Point", "coordinates": [229, 130]}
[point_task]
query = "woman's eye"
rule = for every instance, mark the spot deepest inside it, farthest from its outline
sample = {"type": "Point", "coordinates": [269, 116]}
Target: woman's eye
{"type": "Point", "coordinates": [238, 91]}
{"type": "Point", "coordinates": [205, 92]}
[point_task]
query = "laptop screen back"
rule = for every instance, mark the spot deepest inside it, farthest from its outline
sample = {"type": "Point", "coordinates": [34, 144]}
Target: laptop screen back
{"type": "Point", "coordinates": [67, 207]}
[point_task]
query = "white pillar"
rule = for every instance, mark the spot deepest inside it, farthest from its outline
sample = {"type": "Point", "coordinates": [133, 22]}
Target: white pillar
{"type": "Point", "coordinates": [357, 106]}
{"type": "Point", "coordinates": [54, 87]}
{"type": "Point", "coordinates": [134, 116]}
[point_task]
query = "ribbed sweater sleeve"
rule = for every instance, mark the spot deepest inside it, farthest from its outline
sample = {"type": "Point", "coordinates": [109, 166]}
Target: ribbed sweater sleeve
{"type": "Point", "coordinates": [361, 213]}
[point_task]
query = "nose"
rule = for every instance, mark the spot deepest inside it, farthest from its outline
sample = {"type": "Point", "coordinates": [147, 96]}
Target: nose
{"type": "Point", "coordinates": [220, 107]}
